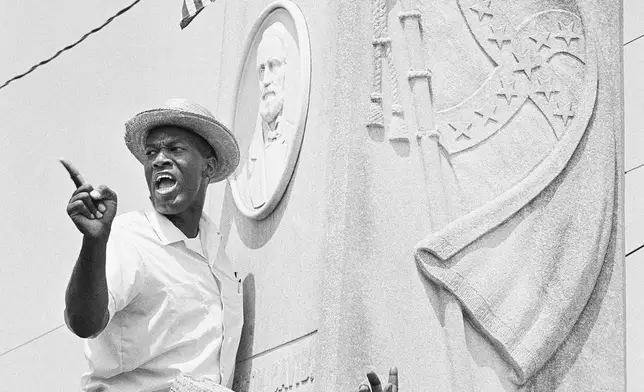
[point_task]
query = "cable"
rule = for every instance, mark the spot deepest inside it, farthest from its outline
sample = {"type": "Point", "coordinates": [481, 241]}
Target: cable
{"type": "Point", "coordinates": [634, 39]}
{"type": "Point", "coordinates": [634, 250]}
{"type": "Point", "coordinates": [68, 47]}
{"type": "Point", "coordinates": [633, 168]}
{"type": "Point", "coordinates": [31, 340]}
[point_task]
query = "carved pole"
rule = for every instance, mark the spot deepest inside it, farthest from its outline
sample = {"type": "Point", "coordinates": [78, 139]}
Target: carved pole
{"type": "Point", "coordinates": [428, 138]}
{"type": "Point", "coordinates": [420, 82]}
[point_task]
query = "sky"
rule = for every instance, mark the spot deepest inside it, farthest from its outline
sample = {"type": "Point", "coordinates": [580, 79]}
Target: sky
{"type": "Point", "coordinates": [75, 107]}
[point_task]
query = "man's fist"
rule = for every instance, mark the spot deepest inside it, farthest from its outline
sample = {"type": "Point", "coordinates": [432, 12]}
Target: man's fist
{"type": "Point", "coordinates": [91, 210]}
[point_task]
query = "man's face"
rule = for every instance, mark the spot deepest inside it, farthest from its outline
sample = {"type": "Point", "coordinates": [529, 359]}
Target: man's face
{"type": "Point", "coordinates": [271, 58]}
{"type": "Point", "coordinates": [176, 169]}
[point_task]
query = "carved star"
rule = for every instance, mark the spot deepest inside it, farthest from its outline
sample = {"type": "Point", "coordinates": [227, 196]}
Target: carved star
{"type": "Point", "coordinates": [507, 90]}
{"type": "Point", "coordinates": [567, 33]}
{"type": "Point", "coordinates": [541, 38]}
{"type": "Point", "coordinates": [462, 128]}
{"type": "Point", "coordinates": [482, 8]}
{"type": "Point", "coordinates": [526, 63]}
{"type": "Point", "coordinates": [499, 36]}
{"type": "Point", "coordinates": [547, 88]}
{"type": "Point", "coordinates": [565, 114]}
{"type": "Point", "coordinates": [487, 113]}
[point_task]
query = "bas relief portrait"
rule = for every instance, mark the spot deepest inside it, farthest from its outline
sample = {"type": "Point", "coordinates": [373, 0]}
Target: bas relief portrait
{"type": "Point", "coordinates": [273, 134]}
{"type": "Point", "coordinates": [271, 108]}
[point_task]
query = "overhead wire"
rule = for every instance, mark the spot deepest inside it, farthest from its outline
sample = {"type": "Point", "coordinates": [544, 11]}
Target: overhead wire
{"type": "Point", "coordinates": [71, 46]}
{"type": "Point", "coordinates": [634, 39]}
{"type": "Point", "coordinates": [33, 68]}
{"type": "Point", "coordinates": [638, 166]}
{"type": "Point", "coordinates": [30, 340]}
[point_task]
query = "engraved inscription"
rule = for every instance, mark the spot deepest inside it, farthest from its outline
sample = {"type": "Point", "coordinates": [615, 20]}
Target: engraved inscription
{"type": "Point", "coordinates": [294, 372]}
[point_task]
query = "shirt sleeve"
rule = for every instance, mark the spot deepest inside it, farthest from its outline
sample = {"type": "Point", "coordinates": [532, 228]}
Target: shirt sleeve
{"type": "Point", "coordinates": [124, 270]}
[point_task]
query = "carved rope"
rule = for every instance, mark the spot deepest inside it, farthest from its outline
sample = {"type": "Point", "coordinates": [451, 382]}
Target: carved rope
{"type": "Point", "coordinates": [382, 48]}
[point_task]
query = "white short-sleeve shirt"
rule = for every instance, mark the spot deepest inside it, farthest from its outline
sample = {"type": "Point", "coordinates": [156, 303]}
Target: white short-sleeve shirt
{"type": "Point", "coordinates": [173, 309]}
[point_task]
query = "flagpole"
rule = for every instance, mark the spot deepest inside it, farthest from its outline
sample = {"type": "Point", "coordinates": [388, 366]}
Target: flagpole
{"type": "Point", "coordinates": [428, 137]}
{"type": "Point", "coordinates": [449, 308]}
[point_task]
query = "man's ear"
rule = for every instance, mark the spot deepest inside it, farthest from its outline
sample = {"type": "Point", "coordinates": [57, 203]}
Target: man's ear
{"type": "Point", "coordinates": [211, 167]}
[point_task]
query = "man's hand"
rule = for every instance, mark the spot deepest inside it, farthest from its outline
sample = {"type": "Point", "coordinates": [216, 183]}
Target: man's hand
{"type": "Point", "coordinates": [376, 386]}
{"type": "Point", "coordinates": [91, 210]}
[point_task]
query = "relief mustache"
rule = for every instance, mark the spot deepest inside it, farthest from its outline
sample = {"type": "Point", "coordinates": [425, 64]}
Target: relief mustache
{"type": "Point", "coordinates": [266, 93]}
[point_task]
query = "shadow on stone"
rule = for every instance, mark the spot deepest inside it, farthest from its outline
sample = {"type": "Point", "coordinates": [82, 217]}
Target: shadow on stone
{"type": "Point", "coordinates": [377, 134]}
{"type": "Point", "coordinates": [243, 373]}
{"type": "Point", "coordinates": [401, 147]}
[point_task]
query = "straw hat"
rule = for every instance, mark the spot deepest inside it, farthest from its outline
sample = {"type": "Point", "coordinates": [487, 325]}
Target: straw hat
{"type": "Point", "coordinates": [190, 116]}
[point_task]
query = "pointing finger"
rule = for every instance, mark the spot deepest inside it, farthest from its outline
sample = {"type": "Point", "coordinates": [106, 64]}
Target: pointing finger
{"type": "Point", "coordinates": [73, 172]}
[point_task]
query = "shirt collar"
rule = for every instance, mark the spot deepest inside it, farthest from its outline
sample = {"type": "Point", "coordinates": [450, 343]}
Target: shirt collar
{"type": "Point", "coordinates": [210, 237]}
{"type": "Point", "coordinates": [167, 232]}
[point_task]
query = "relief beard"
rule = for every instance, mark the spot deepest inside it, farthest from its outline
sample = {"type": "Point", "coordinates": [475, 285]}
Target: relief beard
{"type": "Point", "coordinates": [271, 107]}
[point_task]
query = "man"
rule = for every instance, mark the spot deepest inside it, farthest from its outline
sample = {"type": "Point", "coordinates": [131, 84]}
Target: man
{"type": "Point", "coordinates": [152, 291]}
{"type": "Point", "coordinates": [269, 148]}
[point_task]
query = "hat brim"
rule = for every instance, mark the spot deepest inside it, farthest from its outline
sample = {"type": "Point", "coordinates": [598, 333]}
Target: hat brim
{"type": "Point", "coordinates": [216, 134]}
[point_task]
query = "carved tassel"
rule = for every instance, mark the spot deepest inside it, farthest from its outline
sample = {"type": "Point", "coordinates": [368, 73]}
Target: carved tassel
{"type": "Point", "coordinates": [382, 50]}
{"type": "Point", "coordinates": [376, 115]}
{"type": "Point", "coordinates": [398, 127]}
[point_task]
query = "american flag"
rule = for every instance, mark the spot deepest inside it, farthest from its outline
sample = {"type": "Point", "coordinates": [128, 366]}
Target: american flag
{"type": "Point", "coordinates": [190, 10]}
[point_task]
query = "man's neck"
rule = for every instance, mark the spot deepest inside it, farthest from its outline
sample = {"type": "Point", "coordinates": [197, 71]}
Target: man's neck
{"type": "Point", "coordinates": [187, 222]}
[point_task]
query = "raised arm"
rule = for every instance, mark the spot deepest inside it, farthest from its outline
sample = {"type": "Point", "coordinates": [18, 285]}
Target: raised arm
{"type": "Point", "coordinates": [86, 299]}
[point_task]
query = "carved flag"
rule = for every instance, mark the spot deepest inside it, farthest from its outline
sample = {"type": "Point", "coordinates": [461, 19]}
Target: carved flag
{"type": "Point", "coordinates": [524, 256]}
{"type": "Point", "coordinates": [190, 10]}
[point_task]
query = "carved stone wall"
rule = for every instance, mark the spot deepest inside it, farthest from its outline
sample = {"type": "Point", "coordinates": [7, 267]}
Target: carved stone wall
{"type": "Point", "coordinates": [420, 114]}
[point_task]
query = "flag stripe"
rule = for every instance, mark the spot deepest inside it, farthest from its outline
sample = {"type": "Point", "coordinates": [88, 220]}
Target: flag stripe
{"type": "Point", "coordinates": [184, 10]}
{"type": "Point", "coordinates": [191, 9]}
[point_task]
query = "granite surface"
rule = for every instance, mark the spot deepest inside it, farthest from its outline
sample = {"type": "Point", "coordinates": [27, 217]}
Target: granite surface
{"type": "Point", "coordinates": [332, 268]}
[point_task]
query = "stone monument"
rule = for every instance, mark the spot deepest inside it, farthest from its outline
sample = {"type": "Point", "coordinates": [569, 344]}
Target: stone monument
{"type": "Point", "coordinates": [434, 185]}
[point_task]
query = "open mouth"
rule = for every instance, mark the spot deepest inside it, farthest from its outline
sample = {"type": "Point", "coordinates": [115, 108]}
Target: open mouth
{"type": "Point", "coordinates": [164, 183]}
